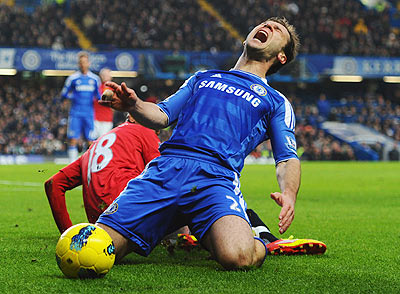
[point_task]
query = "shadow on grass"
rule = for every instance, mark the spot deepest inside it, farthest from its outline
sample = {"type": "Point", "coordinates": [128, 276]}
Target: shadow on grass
{"type": "Point", "coordinates": [58, 277]}
{"type": "Point", "coordinates": [61, 277]}
{"type": "Point", "coordinates": [200, 259]}
{"type": "Point", "coordinates": [43, 238]}
{"type": "Point", "coordinates": [318, 256]}
{"type": "Point", "coordinates": [195, 258]}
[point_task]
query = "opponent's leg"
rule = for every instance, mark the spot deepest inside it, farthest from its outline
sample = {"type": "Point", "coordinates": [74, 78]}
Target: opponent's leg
{"type": "Point", "coordinates": [231, 242]}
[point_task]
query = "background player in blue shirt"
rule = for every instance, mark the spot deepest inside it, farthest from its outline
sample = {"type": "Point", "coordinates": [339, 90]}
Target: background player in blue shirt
{"type": "Point", "coordinates": [221, 117]}
{"type": "Point", "coordinates": [81, 87]}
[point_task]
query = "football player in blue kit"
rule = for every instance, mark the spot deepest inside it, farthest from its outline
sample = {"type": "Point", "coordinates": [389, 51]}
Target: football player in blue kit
{"type": "Point", "coordinates": [221, 116]}
{"type": "Point", "coordinates": [81, 87]}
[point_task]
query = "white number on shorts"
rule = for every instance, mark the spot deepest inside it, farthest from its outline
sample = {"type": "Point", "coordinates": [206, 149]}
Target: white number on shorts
{"type": "Point", "coordinates": [234, 205]}
{"type": "Point", "coordinates": [102, 153]}
{"type": "Point", "coordinates": [236, 183]}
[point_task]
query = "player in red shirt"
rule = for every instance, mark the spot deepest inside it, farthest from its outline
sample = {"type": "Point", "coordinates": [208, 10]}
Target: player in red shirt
{"type": "Point", "coordinates": [103, 116]}
{"type": "Point", "coordinates": [103, 171]}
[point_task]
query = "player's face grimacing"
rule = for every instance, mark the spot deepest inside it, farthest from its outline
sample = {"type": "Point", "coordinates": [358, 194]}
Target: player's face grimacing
{"type": "Point", "coordinates": [266, 40]}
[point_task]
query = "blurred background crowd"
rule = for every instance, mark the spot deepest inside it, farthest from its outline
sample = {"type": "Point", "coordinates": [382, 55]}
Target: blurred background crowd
{"type": "Point", "coordinates": [342, 27]}
{"type": "Point", "coordinates": [33, 118]}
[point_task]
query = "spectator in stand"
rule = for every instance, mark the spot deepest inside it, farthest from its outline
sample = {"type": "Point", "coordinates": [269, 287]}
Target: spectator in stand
{"type": "Point", "coordinates": [378, 148]}
{"type": "Point", "coordinates": [324, 106]}
{"type": "Point", "coordinates": [336, 151]}
{"type": "Point", "coordinates": [373, 111]}
{"type": "Point", "coordinates": [348, 153]}
{"type": "Point", "coordinates": [166, 25]}
{"type": "Point", "coordinates": [42, 28]}
{"type": "Point", "coordinates": [326, 27]}
{"type": "Point", "coordinates": [342, 27]}
{"type": "Point", "coordinates": [103, 116]}
{"type": "Point", "coordinates": [34, 121]}
{"type": "Point", "coordinates": [394, 154]}
{"type": "Point", "coordinates": [326, 153]}
{"type": "Point", "coordinates": [319, 146]}
{"type": "Point", "coordinates": [31, 119]}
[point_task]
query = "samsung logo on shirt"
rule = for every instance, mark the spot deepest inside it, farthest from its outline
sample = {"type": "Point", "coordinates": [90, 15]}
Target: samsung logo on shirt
{"type": "Point", "coordinates": [231, 90]}
{"type": "Point", "coordinates": [85, 88]}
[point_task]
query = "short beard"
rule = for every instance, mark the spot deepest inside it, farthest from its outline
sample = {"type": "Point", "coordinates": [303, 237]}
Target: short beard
{"type": "Point", "coordinates": [257, 54]}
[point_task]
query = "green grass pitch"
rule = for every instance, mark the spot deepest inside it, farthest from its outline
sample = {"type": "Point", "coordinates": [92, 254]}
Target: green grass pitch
{"type": "Point", "coordinates": [353, 207]}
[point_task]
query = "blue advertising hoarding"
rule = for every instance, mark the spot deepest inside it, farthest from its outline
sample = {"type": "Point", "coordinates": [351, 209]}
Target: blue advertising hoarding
{"type": "Point", "coordinates": [150, 62]}
{"type": "Point", "coordinates": [41, 59]}
{"type": "Point", "coordinates": [368, 67]}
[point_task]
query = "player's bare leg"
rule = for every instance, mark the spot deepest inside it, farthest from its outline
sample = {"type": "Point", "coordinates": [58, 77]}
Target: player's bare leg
{"type": "Point", "coordinates": [122, 244]}
{"type": "Point", "coordinates": [231, 242]}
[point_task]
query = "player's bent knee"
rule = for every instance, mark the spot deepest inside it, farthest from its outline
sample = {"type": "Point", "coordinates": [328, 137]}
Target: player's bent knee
{"type": "Point", "coordinates": [241, 256]}
{"type": "Point", "coordinates": [236, 260]}
{"type": "Point", "coordinates": [232, 244]}
{"type": "Point", "coordinates": [120, 242]}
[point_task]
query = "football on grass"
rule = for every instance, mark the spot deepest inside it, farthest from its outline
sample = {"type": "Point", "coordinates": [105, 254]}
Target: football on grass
{"type": "Point", "coordinates": [85, 251]}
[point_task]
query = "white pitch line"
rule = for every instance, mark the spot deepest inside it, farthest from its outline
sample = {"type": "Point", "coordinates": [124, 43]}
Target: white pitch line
{"type": "Point", "coordinates": [27, 184]}
{"type": "Point", "coordinates": [14, 189]}
{"type": "Point", "coordinates": [24, 184]}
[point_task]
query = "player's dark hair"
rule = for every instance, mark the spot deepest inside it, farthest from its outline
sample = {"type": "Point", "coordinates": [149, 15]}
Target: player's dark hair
{"type": "Point", "coordinates": [290, 49]}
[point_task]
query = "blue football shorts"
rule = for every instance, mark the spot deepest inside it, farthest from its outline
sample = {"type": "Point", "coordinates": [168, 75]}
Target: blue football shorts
{"type": "Point", "coordinates": [78, 125]}
{"type": "Point", "coordinates": [172, 192]}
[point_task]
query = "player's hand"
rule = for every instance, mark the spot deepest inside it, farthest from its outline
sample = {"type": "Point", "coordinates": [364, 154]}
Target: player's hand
{"type": "Point", "coordinates": [124, 98]}
{"type": "Point", "coordinates": [286, 215]}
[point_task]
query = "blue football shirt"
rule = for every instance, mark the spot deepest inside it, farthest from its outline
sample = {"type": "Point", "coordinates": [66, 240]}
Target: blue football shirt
{"type": "Point", "coordinates": [81, 89]}
{"type": "Point", "coordinates": [223, 115]}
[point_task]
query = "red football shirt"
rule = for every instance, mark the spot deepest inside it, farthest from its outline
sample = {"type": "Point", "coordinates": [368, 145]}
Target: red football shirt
{"type": "Point", "coordinates": [102, 113]}
{"type": "Point", "coordinates": [104, 170]}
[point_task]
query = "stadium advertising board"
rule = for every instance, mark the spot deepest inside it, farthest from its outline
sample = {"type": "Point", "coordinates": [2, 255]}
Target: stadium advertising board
{"type": "Point", "coordinates": [128, 60]}
{"type": "Point", "coordinates": [21, 159]}
{"type": "Point", "coordinates": [42, 59]}
{"type": "Point", "coordinates": [368, 67]}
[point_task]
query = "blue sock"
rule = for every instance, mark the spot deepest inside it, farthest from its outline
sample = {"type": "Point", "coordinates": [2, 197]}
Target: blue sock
{"type": "Point", "coordinates": [265, 245]}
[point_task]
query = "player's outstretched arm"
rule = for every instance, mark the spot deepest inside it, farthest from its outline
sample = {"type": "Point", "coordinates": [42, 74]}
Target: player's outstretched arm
{"type": "Point", "coordinates": [288, 175]}
{"type": "Point", "coordinates": [66, 179]}
{"type": "Point", "coordinates": [146, 113]}
{"type": "Point", "coordinates": [55, 191]}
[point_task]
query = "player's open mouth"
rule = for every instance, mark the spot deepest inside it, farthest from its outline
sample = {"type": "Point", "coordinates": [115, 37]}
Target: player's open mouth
{"type": "Point", "coordinates": [261, 36]}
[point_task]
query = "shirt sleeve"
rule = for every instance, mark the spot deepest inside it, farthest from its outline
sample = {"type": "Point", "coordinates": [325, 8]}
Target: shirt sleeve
{"type": "Point", "coordinates": [173, 105]}
{"type": "Point", "coordinates": [67, 88]}
{"type": "Point", "coordinates": [55, 187]}
{"type": "Point", "coordinates": [281, 133]}
{"type": "Point", "coordinates": [98, 85]}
